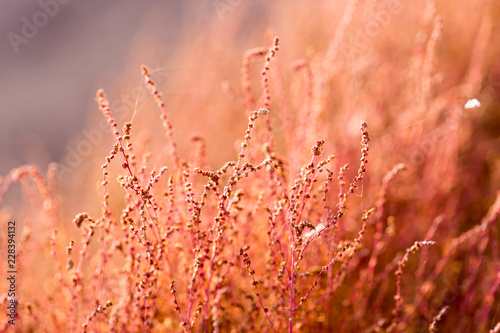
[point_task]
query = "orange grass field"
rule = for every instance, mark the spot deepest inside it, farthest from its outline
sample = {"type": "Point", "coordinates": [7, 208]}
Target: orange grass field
{"type": "Point", "coordinates": [336, 178]}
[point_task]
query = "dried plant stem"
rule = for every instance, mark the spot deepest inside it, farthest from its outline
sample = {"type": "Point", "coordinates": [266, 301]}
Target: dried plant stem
{"type": "Point", "coordinates": [164, 115]}
{"type": "Point", "coordinates": [399, 272]}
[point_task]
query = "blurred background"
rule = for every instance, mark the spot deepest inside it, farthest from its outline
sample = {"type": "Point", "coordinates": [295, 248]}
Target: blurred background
{"type": "Point", "coordinates": [49, 77]}
{"type": "Point", "coordinates": [56, 54]}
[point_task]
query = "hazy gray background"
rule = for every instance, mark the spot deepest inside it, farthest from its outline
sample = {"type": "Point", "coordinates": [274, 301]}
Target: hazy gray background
{"type": "Point", "coordinates": [47, 88]}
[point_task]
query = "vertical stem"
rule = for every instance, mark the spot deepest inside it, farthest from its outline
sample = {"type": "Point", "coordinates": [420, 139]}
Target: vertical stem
{"type": "Point", "coordinates": [292, 282]}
